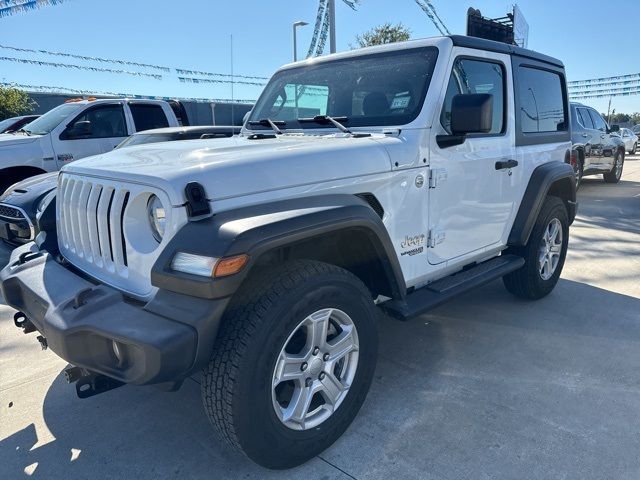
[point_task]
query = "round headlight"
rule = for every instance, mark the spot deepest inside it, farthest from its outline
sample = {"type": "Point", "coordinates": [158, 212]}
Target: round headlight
{"type": "Point", "coordinates": [157, 217]}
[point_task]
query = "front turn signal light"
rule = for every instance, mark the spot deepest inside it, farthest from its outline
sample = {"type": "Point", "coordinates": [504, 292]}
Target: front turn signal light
{"type": "Point", "coordinates": [208, 266]}
{"type": "Point", "coordinates": [230, 265]}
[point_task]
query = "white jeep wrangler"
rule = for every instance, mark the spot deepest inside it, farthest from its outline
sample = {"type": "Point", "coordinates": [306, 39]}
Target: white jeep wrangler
{"type": "Point", "coordinates": [390, 178]}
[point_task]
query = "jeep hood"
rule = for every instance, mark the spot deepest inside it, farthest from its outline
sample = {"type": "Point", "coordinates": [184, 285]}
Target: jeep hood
{"type": "Point", "coordinates": [238, 166]}
{"type": "Point", "coordinates": [11, 139]}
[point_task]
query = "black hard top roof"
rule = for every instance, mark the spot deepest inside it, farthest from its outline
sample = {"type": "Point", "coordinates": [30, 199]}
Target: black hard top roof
{"type": "Point", "coordinates": [499, 47]}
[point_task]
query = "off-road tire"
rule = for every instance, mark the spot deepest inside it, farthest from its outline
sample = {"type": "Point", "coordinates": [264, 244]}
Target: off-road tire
{"type": "Point", "coordinates": [527, 282]}
{"type": "Point", "coordinates": [615, 174]}
{"type": "Point", "coordinates": [236, 386]}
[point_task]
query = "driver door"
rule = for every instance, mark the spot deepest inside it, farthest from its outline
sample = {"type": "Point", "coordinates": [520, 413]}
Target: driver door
{"type": "Point", "coordinates": [471, 199]}
{"type": "Point", "coordinates": [107, 127]}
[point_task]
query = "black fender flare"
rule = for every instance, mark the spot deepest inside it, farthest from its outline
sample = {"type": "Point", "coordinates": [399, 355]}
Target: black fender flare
{"type": "Point", "coordinates": [557, 178]}
{"type": "Point", "coordinates": [257, 229]}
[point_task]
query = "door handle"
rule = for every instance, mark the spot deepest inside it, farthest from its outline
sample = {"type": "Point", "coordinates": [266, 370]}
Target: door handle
{"type": "Point", "coordinates": [585, 135]}
{"type": "Point", "coordinates": [502, 164]}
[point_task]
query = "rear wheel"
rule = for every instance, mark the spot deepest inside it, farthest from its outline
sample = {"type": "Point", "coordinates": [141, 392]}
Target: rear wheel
{"type": "Point", "coordinates": [293, 363]}
{"type": "Point", "coordinates": [544, 253]}
{"type": "Point", "coordinates": [615, 174]}
{"type": "Point", "coordinates": [578, 167]}
{"type": "Point", "coordinates": [634, 149]}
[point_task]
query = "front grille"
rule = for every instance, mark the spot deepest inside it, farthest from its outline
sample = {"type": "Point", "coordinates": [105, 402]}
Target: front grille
{"type": "Point", "coordinates": [90, 225]}
{"type": "Point", "coordinates": [11, 212]}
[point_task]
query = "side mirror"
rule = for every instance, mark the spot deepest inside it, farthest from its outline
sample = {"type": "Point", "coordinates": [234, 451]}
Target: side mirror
{"type": "Point", "coordinates": [470, 113]}
{"type": "Point", "coordinates": [79, 130]}
{"type": "Point", "coordinates": [614, 128]}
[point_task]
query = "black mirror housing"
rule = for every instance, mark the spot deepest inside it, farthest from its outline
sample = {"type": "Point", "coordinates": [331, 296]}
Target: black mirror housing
{"type": "Point", "coordinates": [614, 128]}
{"type": "Point", "coordinates": [471, 113]}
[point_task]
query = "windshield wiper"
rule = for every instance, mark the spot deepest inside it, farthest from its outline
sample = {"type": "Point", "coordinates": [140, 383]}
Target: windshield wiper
{"type": "Point", "coordinates": [327, 119]}
{"type": "Point", "coordinates": [267, 122]}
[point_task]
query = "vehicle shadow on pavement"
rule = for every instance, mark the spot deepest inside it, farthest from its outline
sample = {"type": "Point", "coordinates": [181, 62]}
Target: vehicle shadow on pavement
{"type": "Point", "coordinates": [488, 386]}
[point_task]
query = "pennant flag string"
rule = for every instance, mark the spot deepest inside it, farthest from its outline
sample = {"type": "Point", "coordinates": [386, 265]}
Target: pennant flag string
{"type": "Point", "coordinates": [87, 58]}
{"type": "Point", "coordinates": [75, 91]}
{"type": "Point", "coordinates": [11, 7]}
{"type": "Point", "coordinates": [79, 67]}
{"type": "Point", "coordinates": [180, 71]}
{"type": "Point", "coordinates": [212, 80]}
{"type": "Point", "coordinates": [603, 80]}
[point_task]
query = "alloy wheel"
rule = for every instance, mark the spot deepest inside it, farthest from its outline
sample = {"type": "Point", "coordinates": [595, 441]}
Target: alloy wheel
{"type": "Point", "coordinates": [550, 249]}
{"type": "Point", "coordinates": [315, 369]}
{"type": "Point", "coordinates": [619, 164]}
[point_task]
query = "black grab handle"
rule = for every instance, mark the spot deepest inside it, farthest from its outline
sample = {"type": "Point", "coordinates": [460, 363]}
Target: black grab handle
{"type": "Point", "coordinates": [501, 165]}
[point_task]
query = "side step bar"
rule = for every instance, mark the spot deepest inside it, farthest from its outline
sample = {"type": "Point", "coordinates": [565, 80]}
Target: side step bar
{"type": "Point", "coordinates": [430, 296]}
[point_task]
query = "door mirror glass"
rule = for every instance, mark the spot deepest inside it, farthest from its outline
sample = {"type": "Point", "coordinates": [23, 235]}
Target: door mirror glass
{"type": "Point", "coordinates": [80, 130]}
{"type": "Point", "coordinates": [471, 113]}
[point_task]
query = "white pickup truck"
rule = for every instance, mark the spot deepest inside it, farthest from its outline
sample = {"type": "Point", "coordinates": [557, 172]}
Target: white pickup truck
{"type": "Point", "coordinates": [74, 130]}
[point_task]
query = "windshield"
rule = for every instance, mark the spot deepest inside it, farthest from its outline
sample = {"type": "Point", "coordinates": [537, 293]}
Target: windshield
{"type": "Point", "coordinates": [378, 89]}
{"type": "Point", "coordinates": [4, 124]}
{"type": "Point", "coordinates": [51, 119]}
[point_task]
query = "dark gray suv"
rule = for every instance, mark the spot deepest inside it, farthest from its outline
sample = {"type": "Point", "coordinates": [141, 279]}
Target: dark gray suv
{"type": "Point", "coordinates": [596, 148]}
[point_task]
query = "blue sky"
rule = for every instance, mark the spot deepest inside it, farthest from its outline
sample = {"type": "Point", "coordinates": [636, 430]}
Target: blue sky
{"type": "Point", "coordinates": [195, 34]}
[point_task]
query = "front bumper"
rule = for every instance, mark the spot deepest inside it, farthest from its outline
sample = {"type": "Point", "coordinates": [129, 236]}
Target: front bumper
{"type": "Point", "coordinates": [164, 340]}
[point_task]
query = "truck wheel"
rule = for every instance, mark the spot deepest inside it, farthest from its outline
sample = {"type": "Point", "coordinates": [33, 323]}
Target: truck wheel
{"type": "Point", "coordinates": [293, 363]}
{"type": "Point", "coordinates": [578, 168]}
{"type": "Point", "coordinates": [615, 174]}
{"type": "Point", "coordinates": [544, 253]}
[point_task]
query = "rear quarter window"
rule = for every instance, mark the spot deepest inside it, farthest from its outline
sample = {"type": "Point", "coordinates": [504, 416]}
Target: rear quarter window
{"type": "Point", "coordinates": [541, 103]}
{"type": "Point", "coordinates": [148, 116]}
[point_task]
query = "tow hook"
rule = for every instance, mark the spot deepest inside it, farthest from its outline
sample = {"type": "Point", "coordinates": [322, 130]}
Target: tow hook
{"type": "Point", "coordinates": [21, 321]}
{"type": "Point", "coordinates": [89, 383]}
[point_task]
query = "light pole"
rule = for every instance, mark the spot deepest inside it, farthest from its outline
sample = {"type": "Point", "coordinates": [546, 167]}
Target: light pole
{"type": "Point", "coordinates": [331, 6]}
{"type": "Point", "coordinates": [297, 24]}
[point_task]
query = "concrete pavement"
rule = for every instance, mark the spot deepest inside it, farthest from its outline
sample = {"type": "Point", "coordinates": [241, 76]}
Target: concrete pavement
{"type": "Point", "coordinates": [485, 387]}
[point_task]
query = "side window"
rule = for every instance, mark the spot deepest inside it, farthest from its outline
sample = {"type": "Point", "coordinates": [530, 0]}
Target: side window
{"type": "Point", "coordinates": [585, 118]}
{"type": "Point", "coordinates": [542, 106]}
{"type": "Point", "coordinates": [598, 121]}
{"type": "Point", "coordinates": [476, 76]}
{"type": "Point", "coordinates": [148, 116]}
{"type": "Point", "coordinates": [107, 121]}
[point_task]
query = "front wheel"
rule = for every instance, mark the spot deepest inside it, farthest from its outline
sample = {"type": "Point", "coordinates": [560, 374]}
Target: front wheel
{"type": "Point", "coordinates": [634, 149]}
{"type": "Point", "coordinates": [293, 363]}
{"type": "Point", "coordinates": [615, 174]}
{"type": "Point", "coordinates": [544, 253]}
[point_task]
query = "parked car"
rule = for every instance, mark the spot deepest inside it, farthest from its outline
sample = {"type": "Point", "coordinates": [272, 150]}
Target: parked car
{"type": "Point", "coordinates": [629, 139]}
{"type": "Point", "coordinates": [14, 124]}
{"type": "Point", "coordinates": [75, 130]}
{"type": "Point", "coordinates": [636, 130]}
{"type": "Point", "coordinates": [19, 204]}
{"type": "Point", "coordinates": [597, 148]}
{"type": "Point", "coordinates": [389, 178]}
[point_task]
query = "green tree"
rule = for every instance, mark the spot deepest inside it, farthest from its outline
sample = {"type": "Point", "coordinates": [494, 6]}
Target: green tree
{"type": "Point", "coordinates": [14, 102]}
{"type": "Point", "coordinates": [386, 33]}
